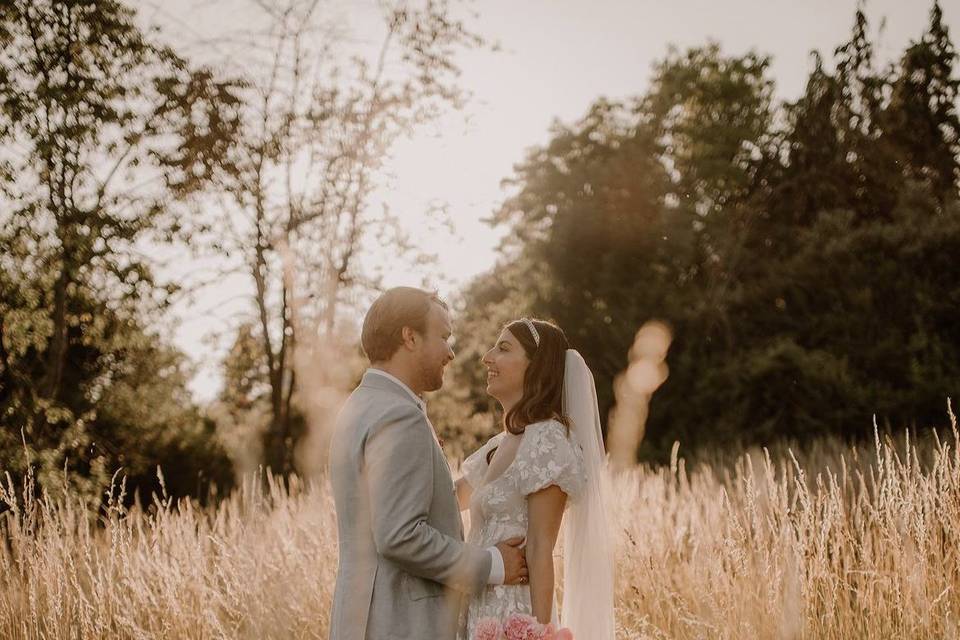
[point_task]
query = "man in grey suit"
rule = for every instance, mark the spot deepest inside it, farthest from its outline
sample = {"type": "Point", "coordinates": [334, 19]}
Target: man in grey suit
{"type": "Point", "coordinates": [404, 568]}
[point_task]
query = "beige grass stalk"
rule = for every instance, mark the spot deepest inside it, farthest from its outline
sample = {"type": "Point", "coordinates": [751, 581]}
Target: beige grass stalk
{"type": "Point", "coordinates": [833, 542]}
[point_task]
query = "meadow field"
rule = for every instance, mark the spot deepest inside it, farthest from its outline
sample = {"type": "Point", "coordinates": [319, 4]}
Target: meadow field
{"type": "Point", "coordinates": [828, 542]}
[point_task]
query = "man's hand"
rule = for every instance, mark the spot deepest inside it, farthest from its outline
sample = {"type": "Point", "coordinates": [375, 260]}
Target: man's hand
{"type": "Point", "coordinates": [514, 561]}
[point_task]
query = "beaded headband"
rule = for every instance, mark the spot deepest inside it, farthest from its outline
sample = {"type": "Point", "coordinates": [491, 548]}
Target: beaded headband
{"type": "Point", "coordinates": [533, 330]}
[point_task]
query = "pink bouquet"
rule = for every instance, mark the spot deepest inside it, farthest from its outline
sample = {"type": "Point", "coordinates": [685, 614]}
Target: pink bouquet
{"type": "Point", "coordinates": [518, 626]}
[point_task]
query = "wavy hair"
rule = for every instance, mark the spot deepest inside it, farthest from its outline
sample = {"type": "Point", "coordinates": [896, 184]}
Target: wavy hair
{"type": "Point", "coordinates": [543, 380]}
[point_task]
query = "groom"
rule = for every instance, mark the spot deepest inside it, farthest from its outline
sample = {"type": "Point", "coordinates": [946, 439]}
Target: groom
{"type": "Point", "coordinates": [404, 567]}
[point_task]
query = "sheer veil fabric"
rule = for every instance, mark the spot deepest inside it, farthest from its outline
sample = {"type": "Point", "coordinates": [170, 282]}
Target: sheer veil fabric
{"type": "Point", "coordinates": [588, 544]}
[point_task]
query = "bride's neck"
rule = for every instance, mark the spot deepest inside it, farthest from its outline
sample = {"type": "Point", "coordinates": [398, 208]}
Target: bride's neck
{"type": "Point", "coordinates": [507, 407]}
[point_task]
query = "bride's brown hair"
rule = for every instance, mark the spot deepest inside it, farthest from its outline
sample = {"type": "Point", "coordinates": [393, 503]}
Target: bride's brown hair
{"type": "Point", "coordinates": [543, 380]}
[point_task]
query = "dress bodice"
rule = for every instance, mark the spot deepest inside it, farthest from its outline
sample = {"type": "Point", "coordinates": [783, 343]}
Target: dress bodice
{"type": "Point", "coordinates": [548, 454]}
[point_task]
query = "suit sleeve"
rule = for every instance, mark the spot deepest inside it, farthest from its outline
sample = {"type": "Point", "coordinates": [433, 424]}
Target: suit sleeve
{"type": "Point", "coordinates": [398, 468]}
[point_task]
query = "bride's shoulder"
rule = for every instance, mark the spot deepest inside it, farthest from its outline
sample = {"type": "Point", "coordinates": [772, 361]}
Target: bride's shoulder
{"type": "Point", "coordinates": [555, 434]}
{"type": "Point", "coordinates": [551, 430]}
{"type": "Point", "coordinates": [549, 425]}
{"type": "Point", "coordinates": [551, 456]}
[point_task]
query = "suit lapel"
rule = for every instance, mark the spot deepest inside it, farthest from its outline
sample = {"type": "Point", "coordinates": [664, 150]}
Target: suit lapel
{"type": "Point", "coordinates": [382, 383]}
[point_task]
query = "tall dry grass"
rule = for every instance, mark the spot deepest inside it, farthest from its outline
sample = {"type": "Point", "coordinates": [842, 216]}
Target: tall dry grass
{"type": "Point", "coordinates": [838, 543]}
{"type": "Point", "coordinates": [261, 565]}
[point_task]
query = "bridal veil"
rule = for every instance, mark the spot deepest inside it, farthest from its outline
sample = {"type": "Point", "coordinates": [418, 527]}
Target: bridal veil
{"type": "Point", "coordinates": [588, 544]}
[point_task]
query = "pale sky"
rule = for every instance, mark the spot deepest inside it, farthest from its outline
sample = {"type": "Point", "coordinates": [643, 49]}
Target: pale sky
{"type": "Point", "coordinates": [557, 57]}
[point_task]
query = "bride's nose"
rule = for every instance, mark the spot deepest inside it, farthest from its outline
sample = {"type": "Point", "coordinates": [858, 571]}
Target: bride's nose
{"type": "Point", "coordinates": [486, 358]}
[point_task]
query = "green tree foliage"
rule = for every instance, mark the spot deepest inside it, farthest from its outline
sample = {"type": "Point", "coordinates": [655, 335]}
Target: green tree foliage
{"type": "Point", "coordinates": [922, 120]}
{"type": "Point", "coordinates": [103, 133]}
{"type": "Point", "coordinates": [800, 251]}
{"type": "Point", "coordinates": [146, 419]}
{"type": "Point", "coordinates": [815, 176]}
{"type": "Point", "coordinates": [243, 410]}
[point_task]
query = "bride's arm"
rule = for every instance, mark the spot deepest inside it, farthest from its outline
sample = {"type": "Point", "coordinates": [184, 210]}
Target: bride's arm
{"type": "Point", "coordinates": [464, 491]}
{"type": "Point", "coordinates": [545, 508]}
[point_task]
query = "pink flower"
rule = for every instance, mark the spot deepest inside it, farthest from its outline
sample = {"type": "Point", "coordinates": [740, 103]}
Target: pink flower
{"type": "Point", "coordinates": [521, 627]}
{"type": "Point", "coordinates": [487, 629]}
{"type": "Point", "coordinates": [563, 634]}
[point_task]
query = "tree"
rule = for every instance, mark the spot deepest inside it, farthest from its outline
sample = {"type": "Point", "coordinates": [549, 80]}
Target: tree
{"type": "Point", "coordinates": [921, 120]}
{"type": "Point", "coordinates": [632, 213]}
{"type": "Point", "coordinates": [862, 329]}
{"type": "Point", "coordinates": [297, 203]}
{"type": "Point", "coordinates": [588, 226]}
{"type": "Point", "coordinates": [859, 121]}
{"type": "Point", "coordinates": [242, 411]}
{"type": "Point", "coordinates": [129, 408]}
{"type": "Point", "coordinates": [104, 132]}
{"type": "Point", "coordinates": [808, 172]}
{"type": "Point", "coordinates": [839, 301]}
{"type": "Point", "coordinates": [799, 252]}
{"type": "Point", "coordinates": [713, 114]}
{"type": "Point", "coordinates": [148, 427]}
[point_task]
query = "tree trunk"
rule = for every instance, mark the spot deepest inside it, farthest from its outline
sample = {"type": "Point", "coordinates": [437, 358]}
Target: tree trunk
{"type": "Point", "coordinates": [57, 351]}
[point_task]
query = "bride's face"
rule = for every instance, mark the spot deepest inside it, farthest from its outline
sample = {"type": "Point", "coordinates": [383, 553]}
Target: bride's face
{"type": "Point", "coordinates": [506, 364]}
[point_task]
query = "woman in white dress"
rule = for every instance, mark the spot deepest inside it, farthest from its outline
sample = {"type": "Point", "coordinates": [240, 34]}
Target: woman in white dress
{"type": "Point", "coordinates": [549, 456]}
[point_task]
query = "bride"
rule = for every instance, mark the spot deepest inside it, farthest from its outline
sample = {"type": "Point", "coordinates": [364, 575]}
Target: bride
{"type": "Point", "coordinates": [544, 469]}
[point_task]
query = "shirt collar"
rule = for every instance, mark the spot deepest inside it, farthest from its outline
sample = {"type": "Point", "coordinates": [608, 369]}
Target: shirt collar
{"type": "Point", "coordinates": [420, 401]}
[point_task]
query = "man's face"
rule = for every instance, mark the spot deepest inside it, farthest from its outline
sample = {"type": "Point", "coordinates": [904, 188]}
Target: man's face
{"type": "Point", "coordinates": [435, 351]}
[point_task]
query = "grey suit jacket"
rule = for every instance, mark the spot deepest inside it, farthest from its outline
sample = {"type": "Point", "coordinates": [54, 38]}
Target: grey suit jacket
{"type": "Point", "coordinates": [404, 567]}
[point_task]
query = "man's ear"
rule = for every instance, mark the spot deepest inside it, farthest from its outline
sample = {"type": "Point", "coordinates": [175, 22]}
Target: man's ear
{"type": "Point", "coordinates": [409, 337]}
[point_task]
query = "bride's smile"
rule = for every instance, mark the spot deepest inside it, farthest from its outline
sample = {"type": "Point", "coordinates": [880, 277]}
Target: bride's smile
{"type": "Point", "coordinates": [506, 365]}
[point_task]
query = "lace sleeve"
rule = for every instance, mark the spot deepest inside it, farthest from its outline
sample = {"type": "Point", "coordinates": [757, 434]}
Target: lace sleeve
{"type": "Point", "coordinates": [550, 457]}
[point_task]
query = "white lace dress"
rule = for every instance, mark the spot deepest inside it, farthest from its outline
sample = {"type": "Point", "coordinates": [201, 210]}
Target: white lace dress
{"type": "Point", "coordinates": [547, 455]}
